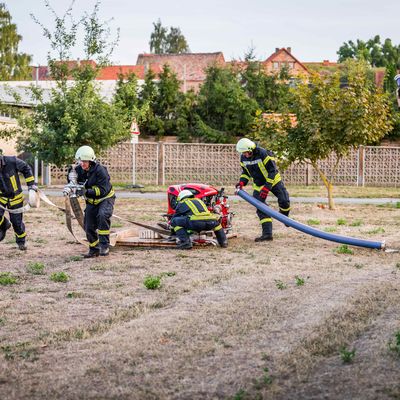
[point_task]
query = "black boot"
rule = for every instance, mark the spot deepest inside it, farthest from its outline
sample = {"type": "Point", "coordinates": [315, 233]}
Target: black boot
{"type": "Point", "coordinates": [22, 246]}
{"type": "Point", "coordinates": [221, 238]}
{"type": "Point", "coordinates": [104, 251]}
{"type": "Point", "coordinates": [266, 233]}
{"type": "Point", "coordinates": [185, 245]}
{"type": "Point", "coordinates": [93, 252]}
{"type": "Point", "coordinates": [5, 226]}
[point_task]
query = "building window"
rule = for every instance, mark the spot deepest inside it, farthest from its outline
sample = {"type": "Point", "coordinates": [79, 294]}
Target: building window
{"type": "Point", "coordinates": [291, 65]}
{"type": "Point", "coordinates": [275, 65]}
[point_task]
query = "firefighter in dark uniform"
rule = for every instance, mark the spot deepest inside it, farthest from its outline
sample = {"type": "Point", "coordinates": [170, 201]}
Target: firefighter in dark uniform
{"type": "Point", "coordinates": [192, 214]}
{"type": "Point", "coordinates": [100, 197]}
{"type": "Point", "coordinates": [259, 164]}
{"type": "Point", "coordinates": [11, 196]}
{"type": "Point", "coordinates": [397, 80]}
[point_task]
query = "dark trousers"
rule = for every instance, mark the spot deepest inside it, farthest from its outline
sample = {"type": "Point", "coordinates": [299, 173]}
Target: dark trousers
{"type": "Point", "coordinates": [16, 221]}
{"type": "Point", "coordinates": [187, 225]}
{"type": "Point", "coordinates": [97, 223]}
{"type": "Point", "coordinates": [282, 195]}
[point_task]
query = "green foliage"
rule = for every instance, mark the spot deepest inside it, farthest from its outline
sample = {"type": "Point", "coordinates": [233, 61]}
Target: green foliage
{"type": "Point", "coordinates": [331, 120]}
{"type": "Point", "coordinates": [280, 285]}
{"type": "Point", "coordinates": [299, 280]}
{"type": "Point", "coordinates": [346, 355]}
{"type": "Point", "coordinates": [35, 268]}
{"type": "Point", "coordinates": [164, 42]}
{"type": "Point", "coordinates": [152, 282]}
{"type": "Point", "coordinates": [341, 221]}
{"type": "Point", "coordinates": [223, 105]}
{"type": "Point", "coordinates": [359, 266]}
{"type": "Point", "coordinates": [76, 114]}
{"type": "Point", "coordinates": [376, 53]}
{"type": "Point", "coordinates": [343, 249]}
{"type": "Point", "coordinates": [74, 295]}
{"type": "Point", "coordinates": [59, 277]}
{"type": "Point", "coordinates": [376, 230]}
{"type": "Point", "coordinates": [7, 278]}
{"type": "Point", "coordinates": [394, 344]}
{"type": "Point", "coordinates": [75, 258]}
{"type": "Point", "coordinates": [357, 222]}
{"type": "Point", "coordinates": [270, 91]}
{"type": "Point", "coordinates": [13, 65]}
{"type": "Point", "coordinates": [330, 229]}
{"type": "Point", "coordinates": [313, 221]}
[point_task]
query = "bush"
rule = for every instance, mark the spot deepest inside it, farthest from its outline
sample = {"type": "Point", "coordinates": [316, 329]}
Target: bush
{"type": "Point", "coordinates": [35, 268]}
{"type": "Point", "coordinates": [152, 282]}
{"type": "Point", "coordinates": [59, 277]}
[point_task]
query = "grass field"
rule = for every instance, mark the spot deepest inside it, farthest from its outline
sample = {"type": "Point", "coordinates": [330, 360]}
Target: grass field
{"type": "Point", "coordinates": [296, 318]}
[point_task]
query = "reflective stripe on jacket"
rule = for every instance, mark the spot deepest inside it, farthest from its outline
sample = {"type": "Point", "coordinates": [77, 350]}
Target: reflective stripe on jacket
{"type": "Point", "coordinates": [261, 167]}
{"type": "Point", "coordinates": [10, 185]}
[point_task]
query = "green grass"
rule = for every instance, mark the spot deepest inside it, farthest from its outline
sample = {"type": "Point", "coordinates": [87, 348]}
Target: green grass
{"type": "Point", "coordinates": [152, 282]}
{"type": "Point", "coordinates": [341, 221]}
{"type": "Point", "coordinates": [394, 344]}
{"type": "Point", "coordinates": [347, 355]}
{"type": "Point", "coordinates": [330, 229]}
{"type": "Point", "coordinates": [59, 277]}
{"type": "Point", "coordinates": [35, 268]}
{"type": "Point", "coordinates": [299, 280]}
{"type": "Point", "coordinates": [357, 222]}
{"type": "Point", "coordinates": [313, 221]}
{"type": "Point", "coordinates": [280, 285]}
{"type": "Point", "coordinates": [7, 278]}
{"type": "Point", "coordinates": [343, 249]}
{"type": "Point", "coordinates": [375, 231]}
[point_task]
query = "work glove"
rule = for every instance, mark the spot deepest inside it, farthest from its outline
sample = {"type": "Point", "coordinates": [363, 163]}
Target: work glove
{"type": "Point", "coordinates": [67, 190]}
{"type": "Point", "coordinates": [80, 191]}
{"type": "Point", "coordinates": [33, 187]}
{"type": "Point", "coordinates": [264, 193]}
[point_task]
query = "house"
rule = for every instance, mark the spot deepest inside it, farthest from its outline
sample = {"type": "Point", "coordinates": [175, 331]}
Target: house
{"type": "Point", "coordinates": [190, 68]}
{"type": "Point", "coordinates": [109, 73]}
{"type": "Point", "coordinates": [283, 57]}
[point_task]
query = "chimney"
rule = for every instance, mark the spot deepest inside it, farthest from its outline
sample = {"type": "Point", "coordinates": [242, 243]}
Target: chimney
{"type": "Point", "coordinates": [276, 49]}
{"type": "Point", "coordinates": [289, 49]}
{"type": "Point", "coordinates": [325, 62]}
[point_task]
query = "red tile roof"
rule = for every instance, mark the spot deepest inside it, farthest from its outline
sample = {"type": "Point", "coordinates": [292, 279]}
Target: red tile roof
{"type": "Point", "coordinates": [289, 54]}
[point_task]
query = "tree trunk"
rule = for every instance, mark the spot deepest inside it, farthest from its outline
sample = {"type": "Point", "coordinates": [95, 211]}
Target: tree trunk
{"type": "Point", "coordinates": [328, 185]}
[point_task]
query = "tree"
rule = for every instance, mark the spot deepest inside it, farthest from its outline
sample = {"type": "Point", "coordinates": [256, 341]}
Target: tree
{"type": "Point", "coordinates": [164, 42]}
{"type": "Point", "coordinates": [223, 104]}
{"type": "Point", "coordinates": [270, 91]}
{"type": "Point", "coordinates": [331, 120]}
{"type": "Point", "coordinates": [13, 65]}
{"type": "Point", "coordinates": [372, 51]}
{"type": "Point", "coordinates": [76, 114]}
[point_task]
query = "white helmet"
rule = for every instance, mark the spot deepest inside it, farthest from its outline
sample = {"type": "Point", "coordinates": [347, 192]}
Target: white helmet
{"type": "Point", "coordinates": [85, 153]}
{"type": "Point", "coordinates": [184, 194]}
{"type": "Point", "coordinates": [245, 144]}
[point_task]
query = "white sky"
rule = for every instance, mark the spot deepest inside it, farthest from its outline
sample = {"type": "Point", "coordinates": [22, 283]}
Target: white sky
{"type": "Point", "coordinates": [314, 29]}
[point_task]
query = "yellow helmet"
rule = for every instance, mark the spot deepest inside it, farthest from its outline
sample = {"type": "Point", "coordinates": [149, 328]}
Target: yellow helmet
{"type": "Point", "coordinates": [85, 153]}
{"type": "Point", "coordinates": [245, 144]}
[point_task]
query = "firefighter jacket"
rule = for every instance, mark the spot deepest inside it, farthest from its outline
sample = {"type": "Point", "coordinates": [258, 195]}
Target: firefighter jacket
{"type": "Point", "coordinates": [10, 185]}
{"type": "Point", "coordinates": [195, 210]}
{"type": "Point", "coordinates": [261, 167]}
{"type": "Point", "coordinates": [96, 181]}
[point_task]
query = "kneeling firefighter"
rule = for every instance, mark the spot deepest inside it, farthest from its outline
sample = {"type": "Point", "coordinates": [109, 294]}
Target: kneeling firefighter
{"type": "Point", "coordinates": [11, 196]}
{"type": "Point", "coordinates": [192, 214]}
{"type": "Point", "coordinates": [94, 184]}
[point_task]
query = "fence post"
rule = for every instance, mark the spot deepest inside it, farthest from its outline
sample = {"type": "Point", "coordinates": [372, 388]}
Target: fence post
{"type": "Point", "coordinates": [160, 169]}
{"type": "Point", "coordinates": [309, 174]}
{"type": "Point", "coordinates": [360, 166]}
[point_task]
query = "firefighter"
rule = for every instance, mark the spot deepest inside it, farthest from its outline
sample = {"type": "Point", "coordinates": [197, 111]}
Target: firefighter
{"type": "Point", "coordinates": [100, 197]}
{"type": "Point", "coordinates": [12, 198]}
{"type": "Point", "coordinates": [192, 214]}
{"type": "Point", "coordinates": [397, 80]}
{"type": "Point", "coordinates": [259, 164]}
